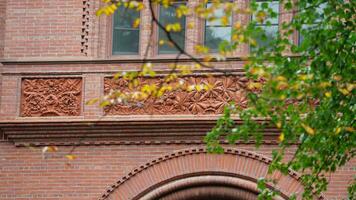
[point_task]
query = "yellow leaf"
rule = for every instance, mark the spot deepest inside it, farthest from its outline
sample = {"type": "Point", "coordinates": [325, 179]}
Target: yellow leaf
{"type": "Point", "coordinates": [181, 11]}
{"type": "Point", "coordinates": [304, 77]}
{"type": "Point", "coordinates": [282, 97]}
{"type": "Point", "coordinates": [253, 42]}
{"type": "Point", "coordinates": [133, 4]}
{"type": "Point", "coordinates": [328, 94]}
{"type": "Point", "coordinates": [257, 71]}
{"type": "Point", "coordinates": [344, 91]}
{"type": "Point", "coordinates": [207, 58]}
{"type": "Point", "coordinates": [136, 23]}
{"type": "Point", "coordinates": [109, 10]}
{"type": "Point", "coordinates": [241, 38]}
{"type": "Point", "coordinates": [225, 20]}
{"type": "Point", "coordinates": [279, 124]}
{"type": "Point", "coordinates": [281, 78]}
{"type": "Point", "coordinates": [197, 66]}
{"type": "Point", "coordinates": [190, 88]}
{"type": "Point", "coordinates": [337, 130]}
{"type": "Point", "coordinates": [99, 12]}
{"type": "Point", "coordinates": [325, 84]}
{"type": "Point", "coordinates": [308, 129]}
{"type": "Point", "coordinates": [140, 6]}
{"type": "Point", "coordinates": [349, 129]}
{"type": "Point", "coordinates": [152, 73]}
{"type": "Point", "coordinates": [282, 85]}
{"type": "Point", "coordinates": [350, 87]}
{"type": "Point", "coordinates": [235, 37]}
{"type": "Point", "coordinates": [105, 103]}
{"type": "Point", "coordinates": [199, 88]}
{"type": "Point", "coordinates": [260, 16]}
{"type": "Point", "coordinates": [191, 25]}
{"type": "Point", "coordinates": [49, 149]}
{"type": "Point", "coordinates": [281, 137]}
{"type": "Point", "coordinates": [337, 77]}
{"type": "Point", "coordinates": [237, 25]}
{"type": "Point", "coordinates": [117, 75]}
{"type": "Point", "coordinates": [92, 101]}
{"type": "Point", "coordinates": [71, 156]}
{"type": "Point", "coordinates": [113, 6]}
{"type": "Point", "coordinates": [176, 27]}
{"type": "Point", "coordinates": [300, 96]}
{"type": "Point", "coordinates": [201, 49]}
{"type": "Point", "coordinates": [254, 85]}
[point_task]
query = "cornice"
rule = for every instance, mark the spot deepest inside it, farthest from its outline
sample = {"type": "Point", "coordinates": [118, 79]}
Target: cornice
{"type": "Point", "coordinates": [111, 132]}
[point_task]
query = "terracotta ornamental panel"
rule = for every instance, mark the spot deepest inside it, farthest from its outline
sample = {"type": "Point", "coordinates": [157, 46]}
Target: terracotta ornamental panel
{"type": "Point", "coordinates": [225, 89]}
{"type": "Point", "coordinates": [51, 97]}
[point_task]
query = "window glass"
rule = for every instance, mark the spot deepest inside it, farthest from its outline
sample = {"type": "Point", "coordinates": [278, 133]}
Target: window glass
{"type": "Point", "coordinates": [308, 27]}
{"type": "Point", "coordinates": [215, 31]}
{"type": "Point", "coordinates": [215, 35]}
{"type": "Point", "coordinates": [270, 33]}
{"type": "Point", "coordinates": [269, 26]}
{"type": "Point", "coordinates": [168, 16]}
{"type": "Point", "coordinates": [274, 5]}
{"type": "Point", "coordinates": [125, 36]}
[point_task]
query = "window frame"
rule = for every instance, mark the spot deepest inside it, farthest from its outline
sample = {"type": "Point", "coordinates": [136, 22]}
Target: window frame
{"type": "Point", "coordinates": [157, 30]}
{"type": "Point", "coordinates": [204, 26]}
{"type": "Point", "coordinates": [110, 44]}
{"type": "Point", "coordinates": [299, 35]}
{"type": "Point", "coordinates": [264, 24]}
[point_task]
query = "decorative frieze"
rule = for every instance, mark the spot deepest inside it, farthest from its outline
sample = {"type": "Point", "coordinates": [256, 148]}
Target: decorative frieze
{"type": "Point", "coordinates": [51, 97]}
{"type": "Point", "coordinates": [224, 90]}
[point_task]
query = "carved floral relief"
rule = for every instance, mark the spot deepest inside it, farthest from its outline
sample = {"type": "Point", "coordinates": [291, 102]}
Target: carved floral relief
{"type": "Point", "coordinates": [225, 89]}
{"type": "Point", "coordinates": [51, 97]}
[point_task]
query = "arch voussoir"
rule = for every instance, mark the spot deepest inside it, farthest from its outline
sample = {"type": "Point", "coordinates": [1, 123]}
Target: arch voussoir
{"type": "Point", "coordinates": [240, 165]}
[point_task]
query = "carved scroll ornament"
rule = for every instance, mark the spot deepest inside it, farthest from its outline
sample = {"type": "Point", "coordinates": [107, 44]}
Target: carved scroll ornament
{"type": "Point", "coordinates": [51, 97]}
{"type": "Point", "coordinates": [225, 89]}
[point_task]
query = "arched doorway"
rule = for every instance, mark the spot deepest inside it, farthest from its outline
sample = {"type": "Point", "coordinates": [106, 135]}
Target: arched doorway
{"type": "Point", "coordinates": [216, 186]}
{"type": "Point", "coordinates": [194, 174]}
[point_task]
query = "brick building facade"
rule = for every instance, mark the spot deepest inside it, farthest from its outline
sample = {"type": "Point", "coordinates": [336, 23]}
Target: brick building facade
{"type": "Point", "coordinates": [56, 55]}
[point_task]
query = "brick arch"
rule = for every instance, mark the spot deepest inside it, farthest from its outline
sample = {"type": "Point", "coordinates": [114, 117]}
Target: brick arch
{"type": "Point", "coordinates": [241, 164]}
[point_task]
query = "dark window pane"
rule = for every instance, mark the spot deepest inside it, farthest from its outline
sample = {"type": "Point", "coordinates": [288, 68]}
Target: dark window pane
{"type": "Point", "coordinates": [124, 17]}
{"type": "Point", "coordinates": [167, 48]}
{"type": "Point", "coordinates": [218, 13]}
{"type": "Point", "coordinates": [309, 27]}
{"type": "Point", "coordinates": [168, 16]}
{"type": "Point", "coordinates": [304, 31]}
{"type": "Point", "coordinates": [215, 31]}
{"type": "Point", "coordinates": [125, 41]}
{"type": "Point", "coordinates": [125, 37]}
{"type": "Point", "coordinates": [264, 40]}
{"type": "Point", "coordinates": [318, 10]}
{"type": "Point", "coordinates": [274, 5]}
{"type": "Point", "coordinates": [270, 31]}
{"type": "Point", "coordinates": [215, 35]}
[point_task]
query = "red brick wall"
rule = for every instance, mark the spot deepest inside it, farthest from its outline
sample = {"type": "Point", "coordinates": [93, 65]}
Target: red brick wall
{"type": "Point", "coordinates": [26, 175]}
{"type": "Point", "coordinates": [43, 28]}
{"type": "Point", "coordinates": [52, 29]}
